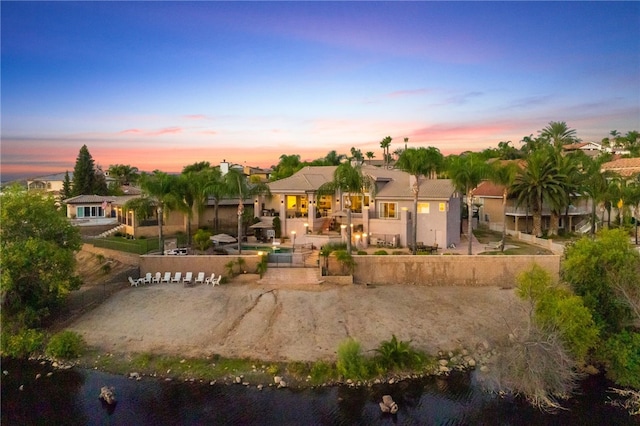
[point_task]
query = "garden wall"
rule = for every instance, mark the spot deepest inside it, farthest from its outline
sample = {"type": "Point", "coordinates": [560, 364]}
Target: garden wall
{"type": "Point", "coordinates": [458, 270]}
{"type": "Point", "coordinates": [195, 264]}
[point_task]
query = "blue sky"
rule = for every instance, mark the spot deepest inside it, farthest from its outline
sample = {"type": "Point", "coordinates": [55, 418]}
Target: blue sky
{"type": "Point", "coordinates": [165, 84]}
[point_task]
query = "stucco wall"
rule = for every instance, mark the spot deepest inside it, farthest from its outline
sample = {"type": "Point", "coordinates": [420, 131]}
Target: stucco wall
{"type": "Point", "coordinates": [195, 264]}
{"type": "Point", "coordinates": [455, 270]}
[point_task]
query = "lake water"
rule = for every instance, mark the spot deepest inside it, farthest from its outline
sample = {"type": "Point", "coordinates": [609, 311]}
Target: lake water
{"type": "Point", "coordinates": [70, 397]}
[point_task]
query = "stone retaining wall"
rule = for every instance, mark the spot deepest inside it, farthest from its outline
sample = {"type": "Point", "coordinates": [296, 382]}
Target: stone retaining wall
{"type": "Point", "coordinates": [458, 270]}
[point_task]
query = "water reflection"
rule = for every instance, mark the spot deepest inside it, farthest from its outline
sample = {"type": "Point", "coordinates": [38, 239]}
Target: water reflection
{"type": "Point", "coordinates": [71, 397]}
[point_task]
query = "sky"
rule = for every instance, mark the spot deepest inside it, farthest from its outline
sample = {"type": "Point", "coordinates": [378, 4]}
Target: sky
{"type": "Point", "coordinates": [160, 85]}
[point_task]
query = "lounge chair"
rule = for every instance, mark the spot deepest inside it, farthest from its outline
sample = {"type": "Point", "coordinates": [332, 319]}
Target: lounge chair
{"type": "Point", "coordinates": [199, 278]}
{"type": "Point", "coordinates": [177, 277]}
{"type": "Point", "coordinates": [187, 278]}
{"type": "Point", "coordinates": [156, 278]}
{"type": "Point", "coordinates": [216, 281]}
{"type": "Point", "coordinates": [166, 278]}
{"type": "Point", "coordinates": [147, 278]}
{"type": "Point", "coordinates": [135, 281]}
{"type": "Point", "coordinates": [209, 280]}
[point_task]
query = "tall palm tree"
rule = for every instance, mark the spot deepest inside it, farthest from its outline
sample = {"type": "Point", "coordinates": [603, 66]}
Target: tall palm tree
{"type": "Point", "coordinates": [594, 184]}
{"type": "Point", "coordinates": [333, 158]}
{"type": "Point", "coordinates": [192, 182]}
{"type": "Point", "coordinates": [558, 134]}
{"type": "Point", "coordinates": [348, 179]}
{"type": "Point", "coordinates": [162, 187]}
{"type": "Point", "coordinates": [385, 144]}
{"type": "Point", "coordinates": [418, 163]}
{"type": "Point", "coordinates": [504, 174]}
{"type": "Point", "coordinates": [538, 183]}
{"type": "Point", "coordinates": [214, 187]}
{"type": "Point", "coordinates": [466, 172]}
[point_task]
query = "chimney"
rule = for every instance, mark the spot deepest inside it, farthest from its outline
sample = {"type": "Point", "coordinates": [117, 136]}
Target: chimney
{"type": "Point", "coordinates": [224, 167]}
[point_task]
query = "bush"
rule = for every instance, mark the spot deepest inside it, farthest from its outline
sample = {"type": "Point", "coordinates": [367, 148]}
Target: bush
{"type": "Point", "coordinates": [66, 344]}
{"type": "Point", "coordinates": [381, 253]}
{"type": "Point", "coordinates": [362, 252]}
{"type": "Point", "coordinates": [322, 371]}
{"type": "Point", "coordinates": [395, 353]}
{"type": "Point", "coordinates": [26, 342]}
{"type": "Point", "coordinates": [351, 364]}
{"type": "Point", "coordinates": [621, 353]}
{"type": "Point", "coordinates": [106, 268]}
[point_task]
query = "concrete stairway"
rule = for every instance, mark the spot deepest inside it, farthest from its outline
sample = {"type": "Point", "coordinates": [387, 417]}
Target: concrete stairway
{"type": "Point", "coordinates": [111, 231]}
{"type": "Point", "coordinates": [293, 276]}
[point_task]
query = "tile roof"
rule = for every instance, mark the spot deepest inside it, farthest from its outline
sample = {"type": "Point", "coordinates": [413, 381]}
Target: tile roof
{"type": "Point", "coordinates": [392, 183]}
{"type": "Point", "coordinates": [623, 166]}
{"type": "Point", "coordinates": [489, 189]}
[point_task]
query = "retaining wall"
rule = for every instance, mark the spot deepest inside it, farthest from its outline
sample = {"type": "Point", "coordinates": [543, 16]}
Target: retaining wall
{"type": "Point", "coordinates": [195, 264]}
{"type": "Point", "coordinates": [457, 270]}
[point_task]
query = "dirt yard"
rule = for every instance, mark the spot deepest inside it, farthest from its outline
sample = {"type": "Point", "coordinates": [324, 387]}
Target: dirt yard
{"type": "Point", "coordinates": [301, 323]}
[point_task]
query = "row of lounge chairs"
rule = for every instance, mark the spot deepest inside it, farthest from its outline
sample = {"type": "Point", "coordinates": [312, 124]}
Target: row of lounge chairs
{"type": "Point", "coordinates": [177, 278]}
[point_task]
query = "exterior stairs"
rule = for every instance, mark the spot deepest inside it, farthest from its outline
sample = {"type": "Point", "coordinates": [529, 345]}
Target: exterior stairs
{"type": "Point", "coordinates": [111, 231]}
{"type": "Point", "coordinates": [291, 276]}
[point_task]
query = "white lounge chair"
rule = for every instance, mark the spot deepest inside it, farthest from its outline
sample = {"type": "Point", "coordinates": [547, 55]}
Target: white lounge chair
{"type": "Point", "coordinates": [199, 278]}
{"type": "Point", "coordinates": [135, 281]}
{"type": "Point", "coordinates": [147, 278]}
{"type": "Point", "coordinates": [209, 280]}
{"type": "Point", "coordinates": [156, 278]}
{"type": "Point", "coordinates": [177, 277]}
{"type": "Point", "coordinates": [166, 278]}
{"type": "Point", "coordinates": [187, 278]}
{"type": "Point", "coordinates": [216, 281]}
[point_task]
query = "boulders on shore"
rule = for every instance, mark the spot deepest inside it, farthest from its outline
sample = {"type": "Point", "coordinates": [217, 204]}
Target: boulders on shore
{"type": "Point", "coordinates": [107, 394]}
{"type": "Point", "coordinates": [388, 405]}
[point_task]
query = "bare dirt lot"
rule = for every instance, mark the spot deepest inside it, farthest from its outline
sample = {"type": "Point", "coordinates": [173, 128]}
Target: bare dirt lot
{"type": "Point", "coordinates": [296, 323]}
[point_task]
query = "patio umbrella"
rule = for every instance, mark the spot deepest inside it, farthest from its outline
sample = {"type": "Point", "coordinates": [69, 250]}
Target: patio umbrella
{"type": "Point", "coordinates": [223, 238]}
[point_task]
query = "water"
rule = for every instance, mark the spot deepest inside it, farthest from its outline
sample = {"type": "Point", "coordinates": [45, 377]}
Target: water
{"type": "Point", "coordinates": [70, 397]}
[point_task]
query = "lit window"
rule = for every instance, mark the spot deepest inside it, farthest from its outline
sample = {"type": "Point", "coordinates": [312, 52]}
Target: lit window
{"type": "Point", "coordinates": [388, 210]}
{"type": "Point", "coordinates": [423, 208]}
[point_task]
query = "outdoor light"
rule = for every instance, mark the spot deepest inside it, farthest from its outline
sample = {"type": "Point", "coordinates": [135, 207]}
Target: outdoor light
{"type": "Point", "coordinates": [306, 228]}
{"type": "Point", "coordinates": [293, 236]}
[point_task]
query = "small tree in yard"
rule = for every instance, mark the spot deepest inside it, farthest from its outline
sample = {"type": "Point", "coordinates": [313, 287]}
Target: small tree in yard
{"type": "Point", "coordinates": [202, 238]}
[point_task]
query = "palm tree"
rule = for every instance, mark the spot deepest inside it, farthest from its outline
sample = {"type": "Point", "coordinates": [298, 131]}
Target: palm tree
{"type": "Point", "coordinates": [594, 184]}
{"type": "Point", "coordinates": [214, 187]}
{"type": "Point", "coordinates": [504, 174]}
{"type": "Point", "coordinates": [369, 155]}
{"type": "Point", "coordinates": [192, 182]}
{"type": "Point", "coordinates": [333, 158]}
{"type": "Point", "coordinates": [419, 162]}
{"type": "Point", "coordinates": [348, 179]}
{"type": "Point", "coordinates": [537, 184]}
{"type": "Point", "coordinates": [559, 134]}
{"type": "Point", "coordinates": [162, 187]}
{"type": "Point", "coordinates": [123, 174]}
{"type": "Point", "coordinates": [385, 144]}
{"type": "Point", "coordinates": [466, 172]}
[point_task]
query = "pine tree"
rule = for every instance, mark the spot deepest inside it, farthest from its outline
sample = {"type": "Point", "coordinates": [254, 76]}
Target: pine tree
{"type": "Point", "coordinates": [66, 186]}
{"type": "Point", "coordinates": [84, 173]}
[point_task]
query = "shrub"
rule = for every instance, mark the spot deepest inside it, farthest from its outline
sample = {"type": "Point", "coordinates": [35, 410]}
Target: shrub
{"type": "Point", "coordinates": [395, 353]}
{"type": "Point", "coordinates": [362, 252]}
{"type": "Point", "coordinates": [351, 364]}
{"type": "Point", "coordinates": [397, 252]}
{"type": "Point", "coordinates": [66, 344]}
{"type": "Point", "coordinates": [381, 252]}
{"type": "Point", "coordinates": [26, 342]}
{"type": "Point", "coordinates": [106, 268]}
{"type": "Point", "coordinates": [621, 353]}
{"type": "Point", "coordinates": [346, 261]}
{"type": "Point", "coordinates": [202, 239]}
{"type": "Point", "coordinates": [100, 258]}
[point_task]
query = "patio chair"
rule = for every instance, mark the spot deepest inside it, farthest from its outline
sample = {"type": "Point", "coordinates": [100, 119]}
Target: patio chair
{"type": "Point", "coordinates": [187, 278]}
{"type": "Point", "coordinates": [135, 281]}
{"type": "Point", "coordinates": [216, 281]}
{"type": "Point", "coordinates": [156, 278]}
{"type": "Point", "coordinates": [209, 280]}
{"type": "Point", "coordinates": [147, 278]}
{"type": "Point", "coordinates": [199, 278]}
{"type": "Point", "coordinates": [166, 278]}
{"type": "Point", "coordinates": [177, 277]}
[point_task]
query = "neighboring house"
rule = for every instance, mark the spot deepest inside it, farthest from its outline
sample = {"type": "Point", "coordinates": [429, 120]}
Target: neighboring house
{"type": "Point", "coordinates": [49, 183]}
{"type": "Point", "coordinates": [592, 149]}
{"type": "Point", "coordinates": [384, 217]}
{"type": "Point", "coordinates": [491, 212]}
{"type": "Point", "coordinates": [624, 167]}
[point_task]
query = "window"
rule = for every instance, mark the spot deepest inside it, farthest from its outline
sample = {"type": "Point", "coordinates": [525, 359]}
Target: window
{"type": "Point", "coordinates": [79, 211]}
{"type": "Point", "coordinates": [442, 207]}
{"type": "Point", "coordinates": [423, 208]}
{"type": "Point", "coordinates": [388, 211]}
{"type": "Point", "coordinates": [357, 202]}
{"type": "Point", "coordinates": [88, 211]}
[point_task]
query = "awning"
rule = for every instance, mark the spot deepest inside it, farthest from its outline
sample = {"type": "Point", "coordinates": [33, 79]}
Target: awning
{"type": "Point", "coordinates": [339, 213]}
